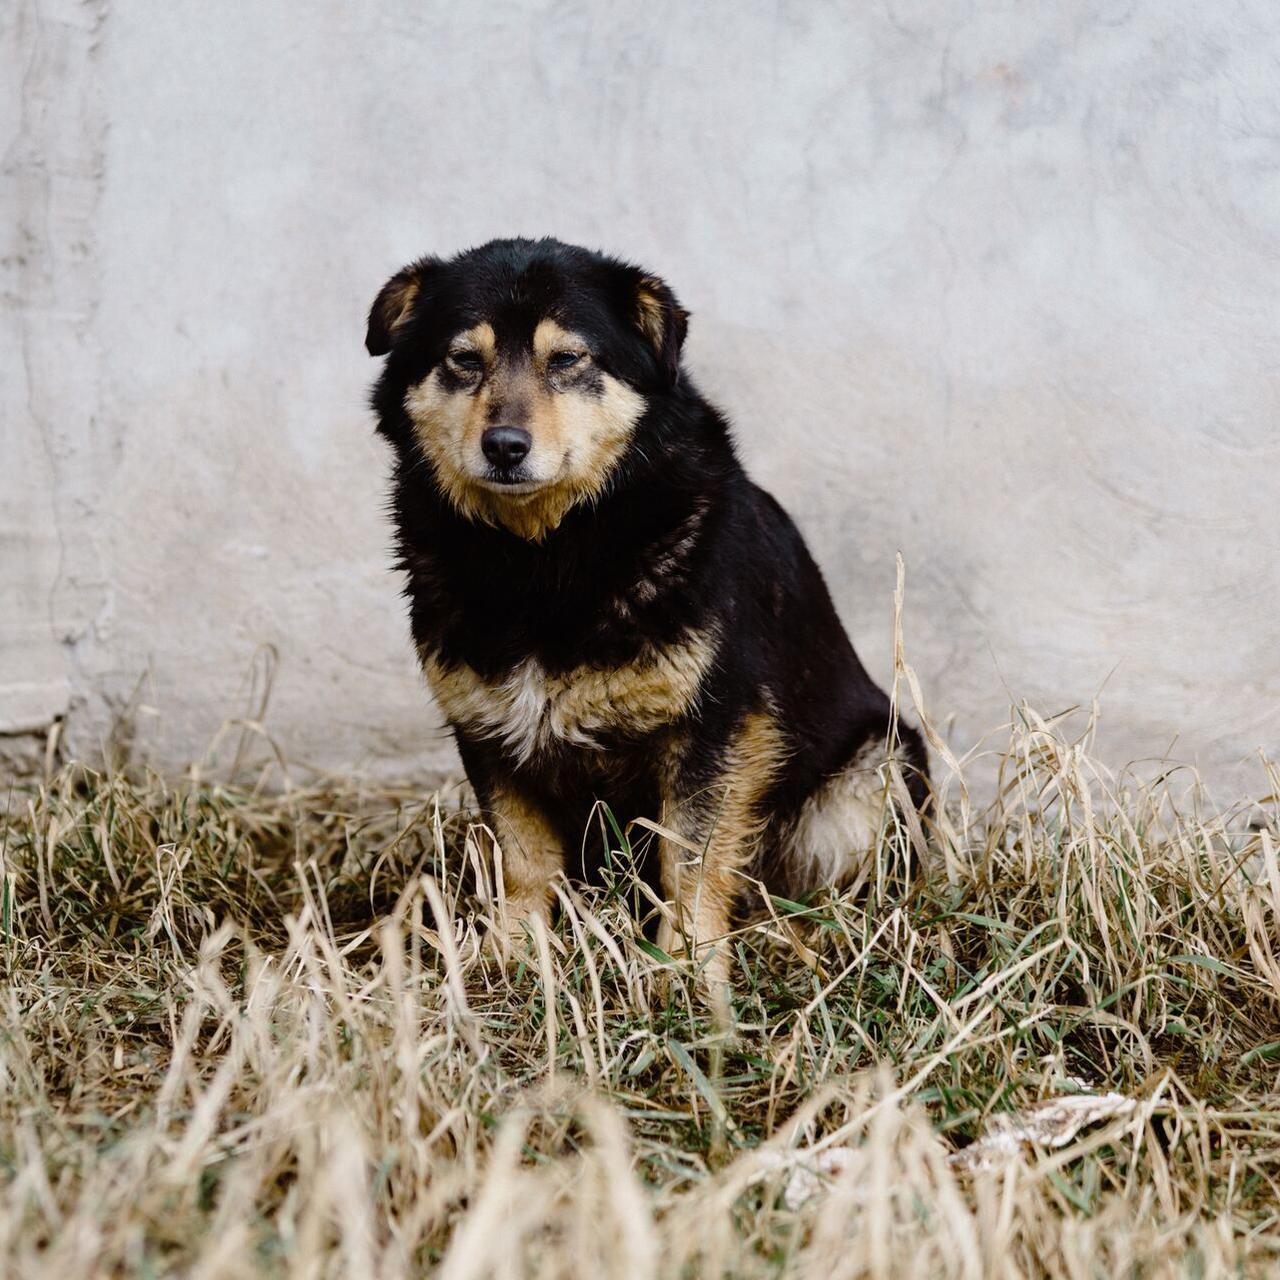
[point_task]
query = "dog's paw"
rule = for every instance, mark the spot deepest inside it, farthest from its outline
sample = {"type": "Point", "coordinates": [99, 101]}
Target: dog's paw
{"type": "Point", "coordinates": [707, 974]}
{"type": "Point", "coordinates": [506, 945]}
{"type": "Point", "coordinates": [508, 935]}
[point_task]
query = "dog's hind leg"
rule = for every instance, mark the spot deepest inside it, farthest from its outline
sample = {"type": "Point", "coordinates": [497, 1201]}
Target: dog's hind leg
{"type": "Point", "coordinates": [837, 831]}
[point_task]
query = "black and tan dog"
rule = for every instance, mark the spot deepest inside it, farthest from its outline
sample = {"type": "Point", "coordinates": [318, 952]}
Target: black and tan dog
{"type": "Point", "coordinates": [605, 606]}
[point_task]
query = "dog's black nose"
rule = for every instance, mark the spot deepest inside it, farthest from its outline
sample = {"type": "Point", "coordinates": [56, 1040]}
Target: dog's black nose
{"type": "Point", "coordinates": [506, 446]}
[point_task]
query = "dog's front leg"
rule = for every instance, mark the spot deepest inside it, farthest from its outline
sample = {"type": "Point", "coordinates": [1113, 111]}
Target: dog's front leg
{"type": "Point", "coordinates": [699, 882]}
{"type": "Point", "coordinates": [718, 813]}
{"type": "Point", "coordinates": [530, 855]}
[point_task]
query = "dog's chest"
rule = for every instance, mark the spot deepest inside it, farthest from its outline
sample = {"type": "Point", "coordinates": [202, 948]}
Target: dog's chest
{"type": "Point", "coordinates": [530, 709]}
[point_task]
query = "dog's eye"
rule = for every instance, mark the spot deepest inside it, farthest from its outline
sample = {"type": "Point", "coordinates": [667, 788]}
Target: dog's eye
{"type": "Point", "coordinates": [466, 361]}
{"type": "Point", "coordinates": [563, 359]}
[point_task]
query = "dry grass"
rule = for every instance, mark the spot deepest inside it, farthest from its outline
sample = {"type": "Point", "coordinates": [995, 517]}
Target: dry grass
{"type": "Point", "coordinates": [253, 1034]}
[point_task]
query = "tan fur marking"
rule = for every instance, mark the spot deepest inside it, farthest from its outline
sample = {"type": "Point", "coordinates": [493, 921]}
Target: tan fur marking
{"type": "Point", "coordinates": [530, 709]}
{"type": "Point", "coordinates": [532, 856]}
{"type": "Point", "coordinates": [726, 823]}
{"type": "Point", "coordinates": [396, 301]}
{"type": "Point", "coordinates": [649, 311]}
{"type": "Point", "coordinates": [549, 337]}
{"type": "Point", "coordinates": [479, 338]}
{"type": "Point", "coordinates": [667, 559]}
{"type": "Point", "coordinates": [577, 436]}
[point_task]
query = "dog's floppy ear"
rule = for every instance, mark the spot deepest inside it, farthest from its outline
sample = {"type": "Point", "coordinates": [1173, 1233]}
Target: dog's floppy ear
{"type": "Point", "coordinates": [663, 321]}
{"type": "Point", "coordinates": [394, 305]}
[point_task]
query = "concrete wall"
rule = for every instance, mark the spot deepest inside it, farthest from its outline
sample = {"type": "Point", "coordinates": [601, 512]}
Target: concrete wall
{"type": "Point", "coordinates": [993, 284]}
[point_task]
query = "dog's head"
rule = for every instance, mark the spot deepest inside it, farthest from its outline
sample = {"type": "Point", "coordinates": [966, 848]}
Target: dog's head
{"type": "Point", "coordinates": [525, 367]}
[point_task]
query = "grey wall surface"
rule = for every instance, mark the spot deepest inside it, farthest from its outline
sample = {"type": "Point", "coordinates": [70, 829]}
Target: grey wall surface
{"type": "Point", "coordinates": [992, 284]}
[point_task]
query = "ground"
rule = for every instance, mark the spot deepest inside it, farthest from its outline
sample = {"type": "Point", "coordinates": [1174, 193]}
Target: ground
{"type": "Point", "coordinates": [248, 1030]}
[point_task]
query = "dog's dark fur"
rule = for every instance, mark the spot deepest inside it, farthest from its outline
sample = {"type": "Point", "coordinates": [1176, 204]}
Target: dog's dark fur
{"type": "Point", "coordinates": [623, 615]}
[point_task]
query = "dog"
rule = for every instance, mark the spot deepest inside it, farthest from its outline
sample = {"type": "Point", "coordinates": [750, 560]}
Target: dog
{"type": "Point", "coordinates": [603, 603]}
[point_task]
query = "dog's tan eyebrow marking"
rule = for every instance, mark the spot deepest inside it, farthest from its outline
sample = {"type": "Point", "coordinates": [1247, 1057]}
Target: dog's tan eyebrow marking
{"type": "Point", "coordinates": [550, 337]}
{"type": "Point", "coordinates": [479, 338]}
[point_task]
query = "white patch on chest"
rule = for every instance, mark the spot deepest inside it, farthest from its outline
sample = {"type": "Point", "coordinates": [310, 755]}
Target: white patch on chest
{"type": "Point", "coordinates": [529, 708]}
